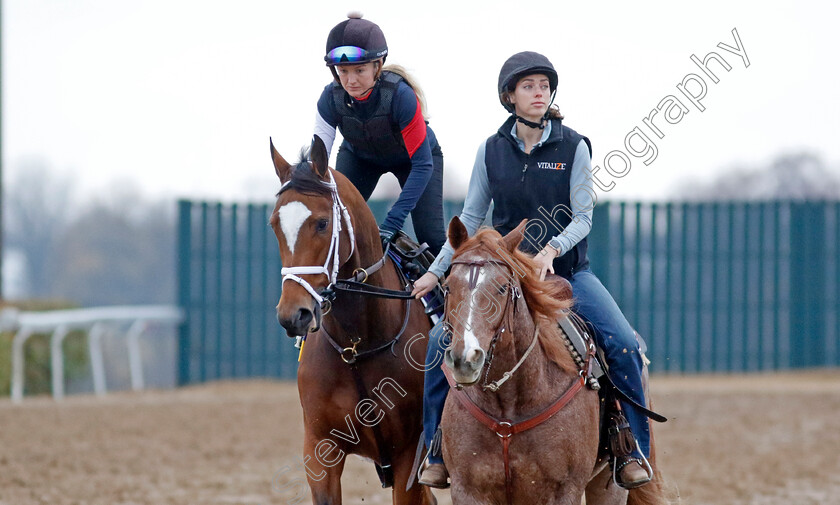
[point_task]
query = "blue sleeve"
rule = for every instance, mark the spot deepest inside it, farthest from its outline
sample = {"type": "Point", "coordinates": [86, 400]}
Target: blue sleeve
{"type": "Point", "coordinates": [406, 113]}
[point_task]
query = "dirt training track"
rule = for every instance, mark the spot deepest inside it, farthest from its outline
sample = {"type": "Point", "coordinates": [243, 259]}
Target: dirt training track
{"type": "Point", "coordinates": [731, 440]}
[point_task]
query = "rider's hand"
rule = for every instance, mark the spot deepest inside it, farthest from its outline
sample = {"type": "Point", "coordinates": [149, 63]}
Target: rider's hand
{"type": "Point", "coordinates": [544, 260]}
{"type": "Point", "coordinates": [424, 284]}
{"type": "Point", "coordinates": [386, 236]}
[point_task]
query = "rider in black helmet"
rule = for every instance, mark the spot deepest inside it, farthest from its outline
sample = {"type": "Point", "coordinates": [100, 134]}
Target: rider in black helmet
{"type": "Point", "coordinates": [519, 65]}
{"type": "Point", "coordinates": [532, 166]}
{"type": "Point", "coordinates": [380, 113]}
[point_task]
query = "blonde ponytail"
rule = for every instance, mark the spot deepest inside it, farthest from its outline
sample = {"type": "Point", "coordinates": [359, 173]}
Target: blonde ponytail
{"type": "Point", "coordinates": [412, 82]}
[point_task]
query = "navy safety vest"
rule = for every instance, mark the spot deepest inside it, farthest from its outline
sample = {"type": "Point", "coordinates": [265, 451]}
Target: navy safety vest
{"type": "Point", "coordinates": [377, 136]}
{"type": "Point", "coordinates": [536, 187]}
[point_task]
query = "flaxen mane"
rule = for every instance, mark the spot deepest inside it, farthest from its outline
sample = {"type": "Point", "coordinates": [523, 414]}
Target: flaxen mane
{"type": "Point", "coordinates": [545, 299]}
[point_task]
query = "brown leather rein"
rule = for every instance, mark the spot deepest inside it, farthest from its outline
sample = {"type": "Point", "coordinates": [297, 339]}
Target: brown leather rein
{"type": "Point", "coordinates": [506, 428]}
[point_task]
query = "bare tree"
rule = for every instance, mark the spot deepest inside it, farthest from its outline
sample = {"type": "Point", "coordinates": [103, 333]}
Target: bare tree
{"type": "Point", "coordinates": [796, 176]}
{"type": "Point", "coordinates": [38, 203]}
{"type": "Point", "coordinates": [116, 248]}
{"type": "Point", "coordinates": [120, 250]}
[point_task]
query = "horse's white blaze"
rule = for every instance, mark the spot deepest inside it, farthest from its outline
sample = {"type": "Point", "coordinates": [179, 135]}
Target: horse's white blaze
{"type": "Point", "coordinates": [292, 216]}
{"type": "Point", "coordinates": [472, 347]}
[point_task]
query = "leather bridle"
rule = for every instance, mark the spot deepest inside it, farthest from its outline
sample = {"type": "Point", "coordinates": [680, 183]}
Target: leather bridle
{"type": "Point", "coordinates": [514, 293]}
{"type": "Point", "coordinates": [338, 211]}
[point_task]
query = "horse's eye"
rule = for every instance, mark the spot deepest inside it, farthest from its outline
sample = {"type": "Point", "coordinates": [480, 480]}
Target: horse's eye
{"type": "Point", "coordinates": [503, 289]}
{"type": "Point", "coordinates": [321, 225]}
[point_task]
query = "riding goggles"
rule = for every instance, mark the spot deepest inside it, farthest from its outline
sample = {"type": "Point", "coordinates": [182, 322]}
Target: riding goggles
{"type": "Point", "coordinates": [352, 54]}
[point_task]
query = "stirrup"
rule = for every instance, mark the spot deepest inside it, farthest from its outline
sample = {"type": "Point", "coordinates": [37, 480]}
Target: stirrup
{"type": "Point", "coordinates": [645, 465]}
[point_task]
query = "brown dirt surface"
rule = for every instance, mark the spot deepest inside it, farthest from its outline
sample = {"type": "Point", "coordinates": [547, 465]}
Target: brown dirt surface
{"type": "Point", "coordinates": [733, 440]}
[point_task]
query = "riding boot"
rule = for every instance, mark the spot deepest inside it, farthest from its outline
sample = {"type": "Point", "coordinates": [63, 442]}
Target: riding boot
{"type": "Point", "coordinates": [631, 472]}
{"type": "Point", "coordinates": [435, 475]}
{"type": "Point", "coordinates": [630, 469]}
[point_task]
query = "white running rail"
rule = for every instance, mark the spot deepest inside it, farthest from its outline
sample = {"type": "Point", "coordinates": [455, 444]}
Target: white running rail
{"type": "Point", "coordinates": [98, 322]}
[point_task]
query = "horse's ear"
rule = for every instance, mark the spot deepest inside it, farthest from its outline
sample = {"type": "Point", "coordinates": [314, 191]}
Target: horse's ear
{"type": "Point", "coordinates": [457, 233]}
{"type": "Point", "coordinates": [512, 240]}
{"type": "Point", "coordinates": [319, 157]}
{"type": "Point", "coordinates": [281, 167]}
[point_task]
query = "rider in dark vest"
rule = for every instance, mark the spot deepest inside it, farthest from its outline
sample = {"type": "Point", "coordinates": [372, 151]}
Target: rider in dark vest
{"type": "Point", "coordinates": [535, 186]}
{"type": "Point", "coordinates": [379, 112]}
{"type": "Point", "coordinates": [538, 169]}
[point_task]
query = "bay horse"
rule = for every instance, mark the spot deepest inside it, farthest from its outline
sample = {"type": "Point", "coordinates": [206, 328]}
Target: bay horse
{"type": "Point", "coordinates": [358, 392]}
{"type": "Point", "coordinates": [533, 398]}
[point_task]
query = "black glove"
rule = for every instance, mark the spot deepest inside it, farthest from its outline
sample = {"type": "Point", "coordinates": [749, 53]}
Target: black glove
{"type": "Point", "coordinates": [387, 236]}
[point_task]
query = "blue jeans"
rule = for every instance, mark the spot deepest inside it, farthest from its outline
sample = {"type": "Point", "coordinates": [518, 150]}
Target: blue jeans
{"type": "Point", "coordinates": [435, 387]}
{"type": "Point", "coordinates": [617, 338]}
{"type": "Point", "coordinates": [613, 334]}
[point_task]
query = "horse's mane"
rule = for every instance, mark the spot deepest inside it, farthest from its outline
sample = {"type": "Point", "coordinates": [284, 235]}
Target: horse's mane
{"type": "Point", "coordinates": [545, 299]}
{"type": "Point", "coordinates": [304, 180]}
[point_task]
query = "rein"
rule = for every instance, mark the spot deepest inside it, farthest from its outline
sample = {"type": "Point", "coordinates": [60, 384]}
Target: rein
{"type": "Point", "coordinates": [357, 284]}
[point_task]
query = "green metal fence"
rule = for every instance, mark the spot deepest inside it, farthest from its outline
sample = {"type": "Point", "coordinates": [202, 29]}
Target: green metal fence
{"type": "Point", "coordinates": [228, 282]}
{"type": "Point", "coordinates": [713, 287]}
{"type": "Point", "coordinates": [732, 287]}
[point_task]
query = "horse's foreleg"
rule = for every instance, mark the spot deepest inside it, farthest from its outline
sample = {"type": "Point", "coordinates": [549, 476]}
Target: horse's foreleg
{"type": "Point", "coordinates": [601, 491]}
{"type": "Point", "coordinates": [418, 494]}
{"type": "Point", "coordinates": [327, 490]}
{"type": "Point", "coordinates": [324, 475]}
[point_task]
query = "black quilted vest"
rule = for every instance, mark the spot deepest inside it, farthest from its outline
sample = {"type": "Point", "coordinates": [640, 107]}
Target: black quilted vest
{"type": "Point", "coordinates": [536, 187]}
{"type": "Point", "coordinates": [376, 135]}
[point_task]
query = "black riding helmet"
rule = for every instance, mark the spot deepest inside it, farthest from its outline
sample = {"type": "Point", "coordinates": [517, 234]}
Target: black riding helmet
{"type": "Point", "coordinates": [354, 41]}
{"type": "Point", "coordinates": [519, 65]}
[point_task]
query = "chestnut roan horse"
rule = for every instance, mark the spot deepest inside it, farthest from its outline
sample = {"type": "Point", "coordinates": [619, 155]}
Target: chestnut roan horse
{"type": "Point", "coordinates": [527, 391]}
{"type": "Point", "coordinates": [359, 395]}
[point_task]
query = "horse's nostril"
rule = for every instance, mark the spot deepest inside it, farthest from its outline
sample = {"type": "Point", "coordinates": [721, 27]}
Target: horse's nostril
{"type": "Point", "coordinates": [475, 357]}
{"type": "Point", "coordinates": [451, 358]}
{"type": "Point", "coordinates": [303, 317]}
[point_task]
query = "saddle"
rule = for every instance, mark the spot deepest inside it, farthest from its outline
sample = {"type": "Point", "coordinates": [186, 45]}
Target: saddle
{"type": "Point", "coordinates": [414, 260]}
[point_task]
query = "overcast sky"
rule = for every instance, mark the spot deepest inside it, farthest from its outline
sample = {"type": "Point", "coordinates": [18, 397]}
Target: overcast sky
{"type": "Point", "coordinates": [179, 97]}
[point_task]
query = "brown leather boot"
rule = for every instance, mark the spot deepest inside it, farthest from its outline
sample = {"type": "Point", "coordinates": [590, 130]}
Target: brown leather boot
{"type": "Point", "coordinates": [435, 475]}
{"type": "Point", "coordinates": [631, 472]}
